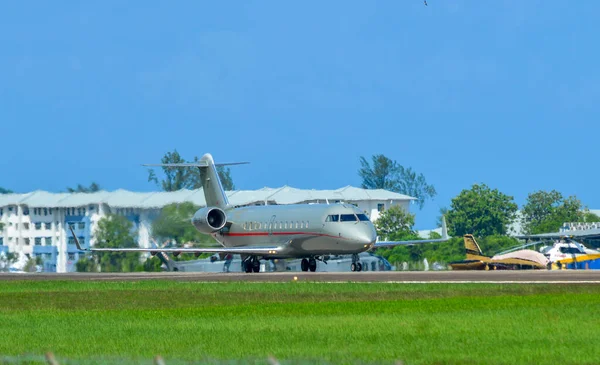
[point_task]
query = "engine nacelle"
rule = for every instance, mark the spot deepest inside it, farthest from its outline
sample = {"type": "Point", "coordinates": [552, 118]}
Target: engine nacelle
{"type": "Point", "coordinates": [209, 220]}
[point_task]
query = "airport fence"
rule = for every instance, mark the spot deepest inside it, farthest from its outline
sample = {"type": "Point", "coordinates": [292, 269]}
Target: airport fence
{"type": "Point", "coordinates": [50, 359]}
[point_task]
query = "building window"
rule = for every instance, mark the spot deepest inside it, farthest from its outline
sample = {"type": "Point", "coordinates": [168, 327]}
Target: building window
{"type": "Point", "coordinates": [71, 225]}
{"type": "Point", "coordinates": [71, 240]}
{"type": "Point", "coordinates": [47, 256]}
{"type": "Point", "coordinates": [38, 241]}
{"type": "Point", "coordinates": [25, 211]}
{"type": "Point", "coordinates": [48, 225]}
{"type": "Point", "coordinates": [27, 241]}
{"type": "Point", "coordinates": [48, 241]}
{"type": "Point", "coordinates": [1, 241]}
{"type": "Point", "coordinates": [45, 211]}
{"type": "Point", "coordinates": [380, 207]}
{"type": "Point", "coordinates": [25, 225]}
{"type": "Point", "coordinates": [71, 256]}
{"type": "Point", "coordinates": [81, 240]}
{"type": "Point", "coordinates": [38, 225]}
{"type": "Point", "coordinates": [81, 225]}
{"type": "Point", "coordinates": [1, 211]}
{"type": "Point", "coordinates": [10, 209]}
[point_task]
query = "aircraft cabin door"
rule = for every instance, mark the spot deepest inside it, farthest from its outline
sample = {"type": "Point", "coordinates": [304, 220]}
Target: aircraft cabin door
{"type": "Point", "coordinates": [271, 228]}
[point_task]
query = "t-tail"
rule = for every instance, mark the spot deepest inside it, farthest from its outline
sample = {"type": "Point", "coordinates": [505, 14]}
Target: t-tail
{"type": "Point", "coordinates": [211, 183]}
{"type": "Point", "coordinates": [472, 248]}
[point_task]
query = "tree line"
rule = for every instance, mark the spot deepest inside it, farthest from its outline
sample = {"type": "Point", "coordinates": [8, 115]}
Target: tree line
{"type": "Point", "coordinates": [482, 211]}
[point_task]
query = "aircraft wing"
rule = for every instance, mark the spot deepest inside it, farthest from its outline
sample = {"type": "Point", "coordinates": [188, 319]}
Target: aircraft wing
{"type": "Point", "coordinates": [243, 250]}
{"type": "Point", "coordinates": [444, 238]}
{"type": "Point", "coordinates": [583, 233]}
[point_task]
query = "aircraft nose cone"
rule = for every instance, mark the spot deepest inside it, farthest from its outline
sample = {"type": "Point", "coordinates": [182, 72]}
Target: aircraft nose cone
{"type": "Point", "coordinates": [367, 237]}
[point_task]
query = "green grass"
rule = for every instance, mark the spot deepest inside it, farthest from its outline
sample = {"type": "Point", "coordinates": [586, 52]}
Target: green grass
{"type": "Point", "coordinates": [331, 323]}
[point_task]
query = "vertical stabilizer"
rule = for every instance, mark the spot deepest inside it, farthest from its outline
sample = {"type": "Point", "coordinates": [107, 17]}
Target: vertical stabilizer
{"type": "Point", "coordinates": [472, 248]}
{"type": "Point", "coordinates": [211, 184]}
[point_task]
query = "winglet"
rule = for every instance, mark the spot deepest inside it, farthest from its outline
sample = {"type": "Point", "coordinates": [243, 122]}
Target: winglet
{"type": "Point", "coordinates": [444, 228]}
{"type": "Point", "coordinates": [76, 240]}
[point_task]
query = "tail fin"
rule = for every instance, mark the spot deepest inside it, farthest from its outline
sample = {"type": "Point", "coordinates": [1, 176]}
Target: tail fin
{"type": "Point", "coordinates": [472, 248]}
{"type": "Point", "coordinates": [211, 184]}
{"type": "Point", "coordinates": [444, 229]}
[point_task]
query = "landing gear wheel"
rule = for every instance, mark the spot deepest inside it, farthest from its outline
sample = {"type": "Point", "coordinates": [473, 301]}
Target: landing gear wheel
{"type": "Point", "coordinates": [304, 265]}
{"type": "Point", "coordinates": [247, 266]}
{"type": "Point", "coordinates": [312, 265]}
{"type": "Point", "coordinates": [255, 265]}
{"type": "Point", "coordinates": [358, 266]}
{"type": "Point", "coordinates": [353, 267]}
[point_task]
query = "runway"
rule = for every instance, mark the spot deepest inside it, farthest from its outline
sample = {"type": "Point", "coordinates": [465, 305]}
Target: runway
{"type": "Point", "coordinates": [560, 276]}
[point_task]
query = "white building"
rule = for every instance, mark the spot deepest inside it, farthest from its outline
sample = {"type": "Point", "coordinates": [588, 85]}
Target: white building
{"type": "Point", "coordinates": [35, 224]}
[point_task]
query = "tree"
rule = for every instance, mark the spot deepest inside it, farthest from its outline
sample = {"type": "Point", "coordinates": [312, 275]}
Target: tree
{"type": "Point", "coordinates": [177, 178]}
{"type": "Point", "coordinates": [480, 211]}
{"type": "Point", "coordinates": [395, 224]}
{"type": "Point", "coordinates": [174, 222]}
{"type": "Point", "coordinates": [389, 175]}
{"type": "Point", "coordinates": [7, 259]}
{"type": "Point", "coordinates": [547, 211]}
{"type": "Point", "coordinates": [114, 231]}
{"type": "Point", "coordinates": [94, 187]}
{"type": "Point", "coordinates": [5, 191]}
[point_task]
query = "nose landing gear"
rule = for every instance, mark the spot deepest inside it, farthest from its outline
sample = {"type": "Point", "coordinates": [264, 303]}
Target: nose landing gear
{"type": "Point", "coordinates": [355, 266]}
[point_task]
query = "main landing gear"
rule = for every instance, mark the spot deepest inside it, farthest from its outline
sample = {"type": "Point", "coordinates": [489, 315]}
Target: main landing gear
{"type": "Point", "coordinates": [309, 264]}
{"type": "Point", "coordinates": [355, 266]}
{"type": "Point", "coordinates": [251, 264]}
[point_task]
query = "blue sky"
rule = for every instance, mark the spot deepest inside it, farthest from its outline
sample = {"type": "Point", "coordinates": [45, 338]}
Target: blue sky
{"type": "Point", "coordinates": [505, 93]}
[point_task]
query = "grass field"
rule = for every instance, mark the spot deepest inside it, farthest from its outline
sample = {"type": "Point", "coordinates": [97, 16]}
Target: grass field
{"type": "Point", "coordinates": [303, 322]}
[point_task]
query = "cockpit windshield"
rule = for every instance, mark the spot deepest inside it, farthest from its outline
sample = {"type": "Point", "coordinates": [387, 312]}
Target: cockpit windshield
{"type": "Point", "coordinates": [363, 217]}
{"type": "Point", "coordinates": [333, 218]}
{"type": "Point", "coordinates": [348, 218]}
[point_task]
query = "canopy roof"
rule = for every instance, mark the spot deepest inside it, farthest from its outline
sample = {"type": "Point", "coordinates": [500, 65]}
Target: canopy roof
{"type": "Point", "coordinates": [129, 199]}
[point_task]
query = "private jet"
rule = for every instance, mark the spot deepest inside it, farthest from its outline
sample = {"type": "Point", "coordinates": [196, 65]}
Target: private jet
{"type": "Point", "coordinates": [310, 232]}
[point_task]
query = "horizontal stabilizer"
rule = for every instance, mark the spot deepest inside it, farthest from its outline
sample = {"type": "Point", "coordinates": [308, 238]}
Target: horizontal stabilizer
{"type": "Point", "coordinates": [193, 164]}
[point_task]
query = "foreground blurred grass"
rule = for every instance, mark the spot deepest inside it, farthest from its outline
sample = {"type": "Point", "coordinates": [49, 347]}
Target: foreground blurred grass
{"type": "Point", "coordinates": [333, 323]}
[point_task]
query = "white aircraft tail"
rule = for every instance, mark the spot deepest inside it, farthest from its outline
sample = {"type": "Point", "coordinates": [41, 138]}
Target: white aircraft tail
{"type": "Point", "coordinates": [211, 184]}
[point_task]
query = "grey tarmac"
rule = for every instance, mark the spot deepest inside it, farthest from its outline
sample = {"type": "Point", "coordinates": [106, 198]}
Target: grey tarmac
{"type": "Point", "coordinates": [559, 276]}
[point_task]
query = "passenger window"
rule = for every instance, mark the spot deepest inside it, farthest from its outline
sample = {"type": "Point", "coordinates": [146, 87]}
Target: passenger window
{"type": "Point", "coordinates": [285, 225]}
{"type": "Point", "coordinates": [297, 224]}
{"type": "Point", "coordinates": [348, 218]}
{"type": "Point", "coordinates": [306, 224]}
{"type": "Point", "coordinates": [244, 226]}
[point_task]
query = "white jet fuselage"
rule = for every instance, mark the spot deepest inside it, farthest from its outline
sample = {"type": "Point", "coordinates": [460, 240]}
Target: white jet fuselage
{"type": "Point", "coordinates": [300, 230]}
